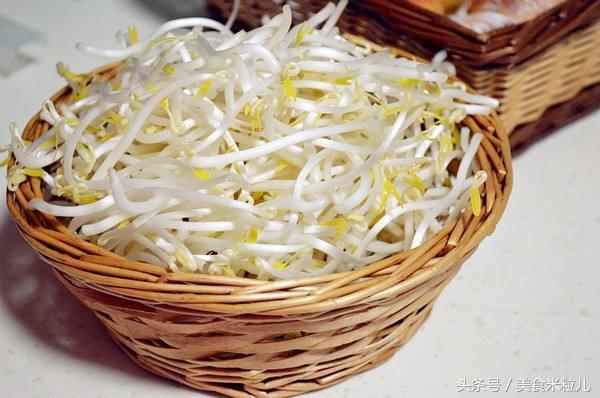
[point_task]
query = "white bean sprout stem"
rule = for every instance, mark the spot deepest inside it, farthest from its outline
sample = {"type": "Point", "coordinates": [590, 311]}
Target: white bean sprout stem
{"type": "Point", "coordinates": [282, 152]}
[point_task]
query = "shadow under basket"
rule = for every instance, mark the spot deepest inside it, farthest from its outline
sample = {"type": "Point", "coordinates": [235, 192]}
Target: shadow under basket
{"type": "Point", "coordinates": [248, 338]}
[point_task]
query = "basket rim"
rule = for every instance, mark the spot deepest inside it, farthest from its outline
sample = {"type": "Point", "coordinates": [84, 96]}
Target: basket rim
{"type": "Point", "coordinates": [508, 45]}
{"type": "Point", "coordinates": [84, 263]}
{"type": "Point", "coordinates": [463, 30]}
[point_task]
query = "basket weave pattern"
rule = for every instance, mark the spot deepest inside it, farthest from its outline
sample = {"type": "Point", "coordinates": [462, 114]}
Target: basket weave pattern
{"type": "Point", "coordinates": [552, 77]}
{"type": "Point", "coordinates": [556, 117]}
{"type": "Point", "coordinates": [248, 338]}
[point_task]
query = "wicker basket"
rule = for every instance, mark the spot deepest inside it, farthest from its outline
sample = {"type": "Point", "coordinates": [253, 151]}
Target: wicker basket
{"type": "Point", "coordinates": [518, 65]}
{"type": "Point", "coordinates": [552, 77]}
{"type": "Point", "coordinates": [507, 46]}
{"type": "Point", "coordinates": [249, 338]}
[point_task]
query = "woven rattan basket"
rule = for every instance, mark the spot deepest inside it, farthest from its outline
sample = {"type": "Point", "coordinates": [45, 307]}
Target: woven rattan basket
{"type": "Point", "coordinates": [249, 338]}
{"type": "Point", "coordinates": [506, 46]}
{"type": "Point", "coordinates": [551, 77]}
{"type": "Point", "coordinates": [529, 67]}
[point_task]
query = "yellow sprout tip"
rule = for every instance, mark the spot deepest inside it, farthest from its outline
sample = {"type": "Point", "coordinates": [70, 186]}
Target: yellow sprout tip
{"type": "Point", "coordinates": [289, 91]}
{"type": "Point", "coordinates": [202, 174]}
{"type": "Point", "coordinates": [133, 36]}
{"type": "Point", "coordinates": [475, 201]}
{"type": "Point", "coordinates": [203, 90]}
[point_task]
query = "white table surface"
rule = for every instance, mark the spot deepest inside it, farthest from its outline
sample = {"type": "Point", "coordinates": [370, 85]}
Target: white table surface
{"type": "Point", "coordinates": [524, 306]}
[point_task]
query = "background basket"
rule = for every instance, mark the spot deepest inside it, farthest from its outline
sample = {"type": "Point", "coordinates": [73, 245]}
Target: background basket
{"type": "Point", "coordinates": [506, 46]}
{"type": "Point", "coordinates": [529, 68]}
{"type": "Point", "coordinates": [249, 338]}
{"type": "Point", "coordinates": [555, 76]}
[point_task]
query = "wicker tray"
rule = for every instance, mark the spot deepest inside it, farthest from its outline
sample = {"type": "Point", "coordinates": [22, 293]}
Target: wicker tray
{"type": "Point", "coordinates": [525, 90]}
{"type": "Point", "coordinates": [249, 338]}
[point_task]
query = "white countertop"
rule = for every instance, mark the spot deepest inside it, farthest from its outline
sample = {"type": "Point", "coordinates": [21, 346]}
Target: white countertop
{"type": "Point", "coordinates": [522, 307]}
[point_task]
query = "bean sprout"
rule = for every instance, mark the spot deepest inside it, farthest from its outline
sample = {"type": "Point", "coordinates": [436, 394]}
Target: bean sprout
{"type": "Point", "coordinates": [278, 153]}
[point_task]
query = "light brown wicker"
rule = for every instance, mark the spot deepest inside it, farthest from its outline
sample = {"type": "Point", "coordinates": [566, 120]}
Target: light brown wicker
{"type": "Point", "coordinates": [517, 65]}
{"type": "Point", "coordinates": [249, 338]}
{"type": "Point", "coordinates": [554, 118]}
{"type": "Point", "coordinates": [554, 76]}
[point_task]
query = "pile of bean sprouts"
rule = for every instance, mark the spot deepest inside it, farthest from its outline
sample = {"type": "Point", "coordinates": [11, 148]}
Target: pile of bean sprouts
{"type": "Point", "coordinates": [276, 153]}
